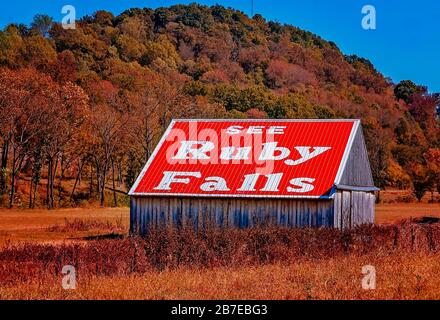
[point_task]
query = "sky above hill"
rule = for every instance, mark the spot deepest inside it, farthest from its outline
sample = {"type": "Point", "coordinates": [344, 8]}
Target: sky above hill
{"type": "Point", "coordinates": [404, 45]}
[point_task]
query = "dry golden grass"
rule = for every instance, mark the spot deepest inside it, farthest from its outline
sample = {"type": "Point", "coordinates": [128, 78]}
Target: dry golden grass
{"type": "Point", "coordinates": [268, 266]}
{"type": "Point", "coordinates": [268, 263]}
{"type": "Point", "coordinates": [399, 276]}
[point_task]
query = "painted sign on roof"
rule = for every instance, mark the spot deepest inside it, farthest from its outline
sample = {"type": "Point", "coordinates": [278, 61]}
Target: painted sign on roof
{"type": "Point", "coordinates": [248, 158]}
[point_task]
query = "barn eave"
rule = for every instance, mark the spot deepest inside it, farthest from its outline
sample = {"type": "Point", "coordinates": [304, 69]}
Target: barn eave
{"type": "Point", "coordinates": [355, 169]}
{"type": "Point", "coordinates": [226, 196]}
{"type": "Point", "coordinates": [356, 188]}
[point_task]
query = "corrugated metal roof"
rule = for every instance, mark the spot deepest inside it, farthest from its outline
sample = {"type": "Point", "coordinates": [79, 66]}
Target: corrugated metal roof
{"type": "Point", "coordinates": [276, 158]}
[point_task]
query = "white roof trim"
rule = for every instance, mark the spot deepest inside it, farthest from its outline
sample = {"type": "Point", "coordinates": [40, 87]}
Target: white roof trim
{"type": "Point", "coordinates": [347, 151]}
{"type": "Point", "coordinates": [260, 196]}
{"type": "Point", "coordinates": [356, 188]}
{"type": "Point", "coordinates": [150, 160]}
{"type": "Point", "coordinates": [266, 120]}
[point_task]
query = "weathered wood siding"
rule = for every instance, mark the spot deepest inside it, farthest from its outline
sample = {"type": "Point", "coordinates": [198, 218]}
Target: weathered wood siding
{"type": "Point", "coordinates": [149, 212]}
{"type": "Point", "coordinates": [353, 208]}
{"type": "Point", "coordinates": [357, 171]}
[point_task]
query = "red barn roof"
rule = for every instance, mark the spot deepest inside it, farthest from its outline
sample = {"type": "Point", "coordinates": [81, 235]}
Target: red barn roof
{"type": "Point", "coordinates": [248, 158]}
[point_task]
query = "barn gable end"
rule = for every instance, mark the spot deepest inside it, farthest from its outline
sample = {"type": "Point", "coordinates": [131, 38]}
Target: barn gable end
{"type": "Point", "coordinates": [354, 196]}
{"type": "Point", "coordinates": [357, 170]}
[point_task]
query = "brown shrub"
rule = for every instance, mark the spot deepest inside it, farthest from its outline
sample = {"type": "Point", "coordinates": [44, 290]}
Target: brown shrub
{"type": "Point", "coordinates": [85, 225]}
{"type": "Point", "coordinates": [173, 249]}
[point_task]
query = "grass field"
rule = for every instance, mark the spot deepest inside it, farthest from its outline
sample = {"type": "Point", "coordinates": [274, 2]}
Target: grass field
{"type": "Point", "coordinates": [407, 268]}
{"type": "Point", "coordinates": [41, 225]}
{"type": "Point", "coordinates": [400, 276]}
{"type": "Point", "coordinates": [392, 213]}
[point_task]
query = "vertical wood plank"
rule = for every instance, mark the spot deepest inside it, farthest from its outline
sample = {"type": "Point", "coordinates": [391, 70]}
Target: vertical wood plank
{"type": "Point", "coordinates": [346, 209]}
{"type": "Point", "coordinates": [337, 210]}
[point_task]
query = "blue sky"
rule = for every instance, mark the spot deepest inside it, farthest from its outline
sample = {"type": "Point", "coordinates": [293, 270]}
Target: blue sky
{"type": "Point", "coordinates": [405, 44]}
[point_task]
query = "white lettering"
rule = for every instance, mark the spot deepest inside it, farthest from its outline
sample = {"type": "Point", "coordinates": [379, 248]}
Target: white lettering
{"type": "Point", "coordinates": [269, 150]}
{"type": "Point", "coordinates": [233, 153]}
{"type": "Point", "coordinates": [250, 180]}
{"type": "Point", "coordinates": [306, 155]}
{"type": "Point", "coordinates": [234, 130]}
{"type": "Point", "coordinates": [301, 185]}
{"type": "Point", "coordinates": [170, 177]}
{"type": "Point", "coordinates": [187, 150]}
{"type": "Point", "coordinates": [255, 130]}
{"type": "Point", "coordinates": [214, 184]}
{"type": "Point", "coordinates": [276, 130]}
{"type": "Point", "coordinates": [273, 182]}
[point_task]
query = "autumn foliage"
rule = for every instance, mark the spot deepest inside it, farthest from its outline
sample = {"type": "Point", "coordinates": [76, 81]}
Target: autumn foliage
{"type": "Point", "coordinates": [82, 110]}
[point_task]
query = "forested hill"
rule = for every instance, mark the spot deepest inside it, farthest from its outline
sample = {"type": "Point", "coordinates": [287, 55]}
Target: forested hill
{"type": "Point", "coordinates": [116, 81]}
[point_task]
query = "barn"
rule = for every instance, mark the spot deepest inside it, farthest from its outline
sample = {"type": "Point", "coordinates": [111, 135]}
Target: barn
{"type": "Point", "coordinates": [245, 173]}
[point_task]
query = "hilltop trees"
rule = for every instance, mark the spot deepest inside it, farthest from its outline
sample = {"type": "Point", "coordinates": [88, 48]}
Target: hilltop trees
{"type": "Point", "coordinates": [405, 89]}
{"type": "Point", "coordinates": [41, 24]}
{"type": "Point", "coordinates": [281, 74]}
{"type": "Point", "coordinates": [423, 108]}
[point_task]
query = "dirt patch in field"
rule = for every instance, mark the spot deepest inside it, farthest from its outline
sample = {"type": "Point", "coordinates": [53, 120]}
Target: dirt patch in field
{"type": "Point", "coordinates": [46, 226]}
{"type": "Point", "coordinates": [393, 213]}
